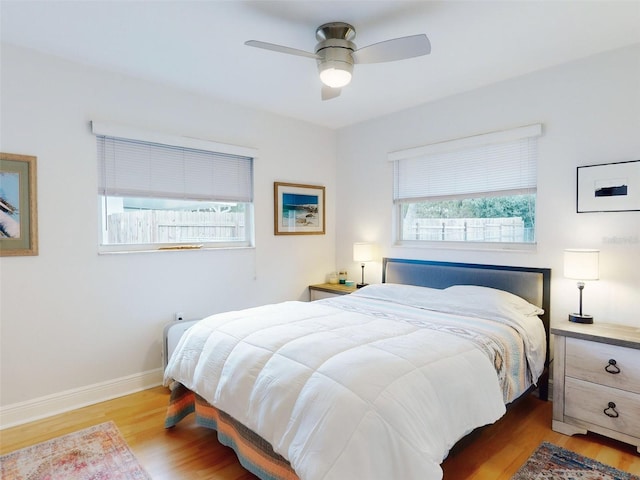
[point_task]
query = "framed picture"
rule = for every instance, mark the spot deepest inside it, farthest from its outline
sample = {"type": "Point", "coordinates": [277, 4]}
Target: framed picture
{"type": "Point", "coordinates": [18, 212]}
{"type": "Point", "coordinates": [298, 209]}
{"type": "Point", "coordinates": [610, 187]}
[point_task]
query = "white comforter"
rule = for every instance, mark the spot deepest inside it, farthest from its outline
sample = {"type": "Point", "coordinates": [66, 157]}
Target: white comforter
{"type": "Point", "coordinates": [340, 388]}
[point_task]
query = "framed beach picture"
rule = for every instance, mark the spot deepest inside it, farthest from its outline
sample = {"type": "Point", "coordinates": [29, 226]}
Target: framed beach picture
{"type": "Point", "coordinates": [298, 209]}
{"type": "Point", "coordinates": [610, 187]}
{"type": "Point", "coordinates": [18, 212]}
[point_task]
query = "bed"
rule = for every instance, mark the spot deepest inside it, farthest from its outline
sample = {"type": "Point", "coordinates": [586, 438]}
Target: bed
{"type": "Point", "coordinates": [378, 384]}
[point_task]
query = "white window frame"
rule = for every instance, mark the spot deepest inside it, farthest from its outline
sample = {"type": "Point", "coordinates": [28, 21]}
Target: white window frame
{"type": "Point", "coordinates": [421, 187]}
{"type": "Point", "coordinates": [102, 129]}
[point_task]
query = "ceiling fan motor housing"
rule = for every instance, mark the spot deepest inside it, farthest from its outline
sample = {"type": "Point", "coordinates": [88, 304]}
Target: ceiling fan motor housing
{"type": "Point", "coordinates": [335, 30]}
{"type": "Point", "coordinates": [335, 51]}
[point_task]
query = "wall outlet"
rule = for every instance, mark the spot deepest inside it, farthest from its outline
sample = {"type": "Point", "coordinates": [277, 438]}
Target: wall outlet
{"type": "Point", "coordinates": [179, 316]}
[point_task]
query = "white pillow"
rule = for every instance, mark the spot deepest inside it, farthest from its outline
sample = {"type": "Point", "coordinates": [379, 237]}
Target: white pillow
{"type": "Point", "coordinates": [398, 293]}
{"type": "Point", "coordinates": [487, 298]}
{"type": "Point", "coordinates": [484, 300]}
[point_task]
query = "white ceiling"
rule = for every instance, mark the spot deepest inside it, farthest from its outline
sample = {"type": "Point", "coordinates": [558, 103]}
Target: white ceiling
{"type": "Point", "coordinates": [199, 45]}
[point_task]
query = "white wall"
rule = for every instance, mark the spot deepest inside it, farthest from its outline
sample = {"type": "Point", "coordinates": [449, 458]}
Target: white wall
{"type": "Point", "coordinates": [72, 318]}
{"type": "Point", "coordinates": [591, 114]}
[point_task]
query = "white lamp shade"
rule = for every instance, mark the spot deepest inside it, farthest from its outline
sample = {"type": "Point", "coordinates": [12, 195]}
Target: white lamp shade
{"type": "Point", "coordinates": [362, 252]}
{"type": "Point", "coordinates": [581, 264]}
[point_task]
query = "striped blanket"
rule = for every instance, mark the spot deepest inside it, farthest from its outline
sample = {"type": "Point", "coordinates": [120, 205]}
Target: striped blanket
{"type": "Point", "coordinates": [255, 453]}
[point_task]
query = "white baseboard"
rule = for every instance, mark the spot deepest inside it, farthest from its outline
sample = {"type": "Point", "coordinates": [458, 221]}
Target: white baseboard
{"type": "Point", "coordinates": [36, 409]}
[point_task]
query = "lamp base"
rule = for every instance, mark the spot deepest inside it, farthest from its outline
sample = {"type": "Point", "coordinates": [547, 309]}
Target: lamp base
{"type": "Point", "coordinates": [360, 285]}
{"type": "Point", "coordinates": [575, 317]}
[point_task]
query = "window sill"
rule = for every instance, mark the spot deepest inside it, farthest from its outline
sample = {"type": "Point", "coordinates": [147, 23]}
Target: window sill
{"type": "Point", "coordinates": [469, 246]}
{"type": "Point", "coordinates": [125, 251]}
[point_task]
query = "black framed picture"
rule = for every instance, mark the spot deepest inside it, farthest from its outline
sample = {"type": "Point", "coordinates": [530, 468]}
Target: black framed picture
{"type": "Point", "coordinates": [609, 187]}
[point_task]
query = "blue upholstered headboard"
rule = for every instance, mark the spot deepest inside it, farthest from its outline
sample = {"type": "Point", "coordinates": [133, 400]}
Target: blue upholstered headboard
{"type": "Point", "coordinates": [530, 283]}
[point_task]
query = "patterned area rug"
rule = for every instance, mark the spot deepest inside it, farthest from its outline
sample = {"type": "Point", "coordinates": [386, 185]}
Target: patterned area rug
{"type": "Point", "coordinates": [552, 462]}
{"type": "Point", "coordinates": [95, 453]}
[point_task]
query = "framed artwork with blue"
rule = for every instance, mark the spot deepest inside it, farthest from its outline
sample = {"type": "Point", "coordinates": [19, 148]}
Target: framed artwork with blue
{"type": "Point", "coordinates": [18, 209]}
{"type": "Point", "coordinates": [298, 209]}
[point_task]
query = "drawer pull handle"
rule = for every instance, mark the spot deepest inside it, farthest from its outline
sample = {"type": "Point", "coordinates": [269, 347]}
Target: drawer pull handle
{"type": "Point", "coordinates": [611, 408]}
{"type": "Point", "coordinates": [612, 367]}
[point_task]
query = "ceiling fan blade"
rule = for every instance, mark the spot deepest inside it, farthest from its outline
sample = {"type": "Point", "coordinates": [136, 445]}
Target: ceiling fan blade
{"type": "Point", "coordinates": [394, 49]}
{"type": "Point", "coordinates": [280, 48]}
{"type": "Point", "coordinates": [328, 93]}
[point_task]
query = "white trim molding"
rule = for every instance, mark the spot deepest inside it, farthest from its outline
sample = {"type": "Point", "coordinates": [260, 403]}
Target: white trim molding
{"type": "Point", "coordinates": [131, 133]}
{"type": "Point", "coordinates": [38, 408]}
{"type": "Point", "coordinates": [502, 136]}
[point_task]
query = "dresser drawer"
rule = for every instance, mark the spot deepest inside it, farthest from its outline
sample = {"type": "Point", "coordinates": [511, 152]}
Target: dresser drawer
{"type": "Point", "coordinates": [587, 360]}
{"type": "Point", "coordinates": [587, 402]}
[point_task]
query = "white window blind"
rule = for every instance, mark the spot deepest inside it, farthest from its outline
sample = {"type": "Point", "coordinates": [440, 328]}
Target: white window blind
{"type": "Point", "coordinates": [135, 168]}
{"type": "Point", "coordinates": [491, 164]}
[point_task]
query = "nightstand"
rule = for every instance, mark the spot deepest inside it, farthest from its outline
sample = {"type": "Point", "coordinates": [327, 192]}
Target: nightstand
{"type": "Point", "coordinates": [596, 380]}
{"type": "Point", "coordinates": [326, 290]}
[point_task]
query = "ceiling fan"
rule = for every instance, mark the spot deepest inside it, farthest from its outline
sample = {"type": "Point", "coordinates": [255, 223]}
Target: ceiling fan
{"type": "Point", "coordinates": [336, 54]}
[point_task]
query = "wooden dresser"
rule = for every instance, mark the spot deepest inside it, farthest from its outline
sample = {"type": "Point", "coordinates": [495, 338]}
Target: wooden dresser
{"type": "Point", "coordinates": [596, 380]}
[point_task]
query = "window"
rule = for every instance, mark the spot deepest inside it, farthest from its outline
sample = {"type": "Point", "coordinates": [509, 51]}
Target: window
{"type": "Point", "coordinates": [474, 189]}
{"type": "Point", "coordinates": [172, 192]}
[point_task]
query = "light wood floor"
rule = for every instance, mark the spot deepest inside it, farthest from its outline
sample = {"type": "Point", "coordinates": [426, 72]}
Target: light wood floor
{"type": "Point", "coordinates": [191, 452]}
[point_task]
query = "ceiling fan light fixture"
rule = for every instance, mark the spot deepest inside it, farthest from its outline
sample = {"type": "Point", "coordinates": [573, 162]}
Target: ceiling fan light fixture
{"type": "Point", "coordinates": [335, 77]}
{"type": "Point", "coordinates": [335, 63]}
{"type": "Point", "coordinates": [335, 53]}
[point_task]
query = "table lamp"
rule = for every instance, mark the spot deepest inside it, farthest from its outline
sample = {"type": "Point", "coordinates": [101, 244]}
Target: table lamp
{"type": "Point", "coordinates": [581, 265]}
{"type": "Point", "coordinates": [362, 252]}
